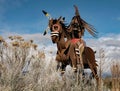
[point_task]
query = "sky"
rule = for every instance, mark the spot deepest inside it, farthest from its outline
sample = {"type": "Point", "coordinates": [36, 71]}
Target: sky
{"type": "Point", "coordinates": [25, 16]}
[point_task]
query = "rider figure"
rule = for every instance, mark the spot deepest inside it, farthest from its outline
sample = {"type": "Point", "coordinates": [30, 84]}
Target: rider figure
{"type": "Point", "coordinates": [77, 31]}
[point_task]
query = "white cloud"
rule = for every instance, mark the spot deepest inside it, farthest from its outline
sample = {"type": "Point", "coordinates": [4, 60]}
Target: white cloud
{"type": "Point", "coordinates": [38, 37]}
{"type": "Point", "coordinates": [110, 44]}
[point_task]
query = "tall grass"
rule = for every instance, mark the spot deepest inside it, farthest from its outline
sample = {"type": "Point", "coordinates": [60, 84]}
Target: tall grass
{"type": "Point", "coordinates": [115, 70]}
{"type": "Point", "coordinates": [100, 68]}
{"type": "Point", "coordinates": [25, 68]}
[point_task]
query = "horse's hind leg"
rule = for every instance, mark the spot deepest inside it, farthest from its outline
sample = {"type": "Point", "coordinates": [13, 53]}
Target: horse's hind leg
{"type": "Point", "coordinates": [94, 72]}
{"type": "Point", "coordinates": [93, 75]}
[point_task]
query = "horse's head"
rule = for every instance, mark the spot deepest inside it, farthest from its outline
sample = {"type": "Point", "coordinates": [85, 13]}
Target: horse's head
{"type": "Point", "coordinates": [56, 27]}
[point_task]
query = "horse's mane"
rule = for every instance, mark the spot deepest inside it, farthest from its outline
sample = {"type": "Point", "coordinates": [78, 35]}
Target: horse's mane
{"type": "Point", "coordinates": [66, 32]}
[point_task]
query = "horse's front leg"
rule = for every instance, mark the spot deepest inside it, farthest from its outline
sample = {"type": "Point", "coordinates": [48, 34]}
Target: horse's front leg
{"type": "Point", "coordinates": [61, 65]}
{"type": "Point", "coordinates": [58, 66]}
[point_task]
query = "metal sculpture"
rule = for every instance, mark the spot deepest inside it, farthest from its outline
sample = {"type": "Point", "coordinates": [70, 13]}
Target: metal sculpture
{"type": "Point", "coordinates": [72, 51]}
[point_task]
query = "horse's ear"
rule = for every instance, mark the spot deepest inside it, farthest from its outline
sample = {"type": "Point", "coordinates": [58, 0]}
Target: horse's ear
{"type": "Point", "coordinates": [63, 18]}
{"type": "Point", "coordinates": [59, 19]}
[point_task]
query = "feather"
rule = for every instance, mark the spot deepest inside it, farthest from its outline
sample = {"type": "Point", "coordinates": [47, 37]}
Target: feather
{"type": "Point", "coordinates": [83, 23]}
{"type": "Point", "coordinates": [76, 11]}
{"type": "Point", "coordinates": [46, 14]}
{"type": "Point", "coordinates": [90, 28]}
{"type": "Point", "coordinates": [45, 32]}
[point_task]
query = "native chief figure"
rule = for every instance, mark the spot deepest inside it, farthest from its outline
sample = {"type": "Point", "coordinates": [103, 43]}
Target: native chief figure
{"type": "Point", "coordinates": [77, 28]}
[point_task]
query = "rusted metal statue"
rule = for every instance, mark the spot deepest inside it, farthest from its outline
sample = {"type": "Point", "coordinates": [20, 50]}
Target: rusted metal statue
{"type": "Point", "coordinates": [71, 48]}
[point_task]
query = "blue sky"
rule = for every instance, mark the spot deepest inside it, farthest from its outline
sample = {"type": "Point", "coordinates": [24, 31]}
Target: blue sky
{"type": "Point", "coordinates": [25, 16]}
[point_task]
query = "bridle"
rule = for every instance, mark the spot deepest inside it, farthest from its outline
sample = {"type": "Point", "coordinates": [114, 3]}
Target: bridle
{"type": "Point", "coordinates": [55, 30]}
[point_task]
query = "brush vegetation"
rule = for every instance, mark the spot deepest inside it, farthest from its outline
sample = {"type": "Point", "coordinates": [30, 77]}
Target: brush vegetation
{"type": "Point", "coordinates": [25, 68]}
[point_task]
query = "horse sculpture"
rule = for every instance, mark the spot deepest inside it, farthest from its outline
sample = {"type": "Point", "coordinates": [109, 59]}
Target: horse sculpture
{"type": "Point", "coordinates": [58, 35]}
{"type": "Point", "coordinates": [73, 50]}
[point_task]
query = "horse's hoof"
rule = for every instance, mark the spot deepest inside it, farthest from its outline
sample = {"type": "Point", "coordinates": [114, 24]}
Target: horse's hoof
{"type": "Point", "coordinates": [75, 69]}
{"type": "Point", "coordinates": [62, 72]}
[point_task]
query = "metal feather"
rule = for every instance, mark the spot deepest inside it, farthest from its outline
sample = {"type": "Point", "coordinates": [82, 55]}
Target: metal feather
{"type": "Point", "coordinates": [83, 23]}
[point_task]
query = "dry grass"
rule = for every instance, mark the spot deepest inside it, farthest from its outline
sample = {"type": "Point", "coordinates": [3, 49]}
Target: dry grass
{"type": "Point", "coordinates": [24, 68]}
{"type": "Point", "coordinates": [115, 70]}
